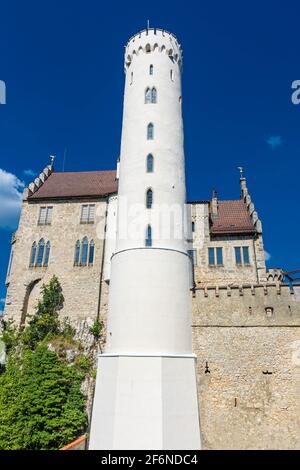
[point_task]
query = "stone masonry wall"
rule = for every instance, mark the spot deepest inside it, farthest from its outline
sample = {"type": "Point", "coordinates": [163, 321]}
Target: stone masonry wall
{"type": "Point", "coordinates": [80, 284]}
{"type": "Point", "coordinates": [248, 364]}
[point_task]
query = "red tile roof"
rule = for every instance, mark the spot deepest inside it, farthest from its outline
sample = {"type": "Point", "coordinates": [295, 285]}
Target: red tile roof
{"type": "Point", "coordinates": [233, 217]}
{"type": "Point", "coordinates": [77, 184]}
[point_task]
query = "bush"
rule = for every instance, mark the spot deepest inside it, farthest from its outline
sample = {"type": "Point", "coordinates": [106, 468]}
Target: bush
{"type": "Point", "coordinates": [96, 329]}
{"type": "Point", "coordinates": [45, 320]}
{"type": "Point", "coordinates": [41, 405]}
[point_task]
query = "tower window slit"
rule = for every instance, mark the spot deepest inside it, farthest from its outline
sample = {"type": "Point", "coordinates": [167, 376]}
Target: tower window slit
{"type": "Point", "coordinates": [150, 131]}
{"type": "Point", "coordinates": [149, 198]}
{"type": "Point", "coordinates": [148, 236]}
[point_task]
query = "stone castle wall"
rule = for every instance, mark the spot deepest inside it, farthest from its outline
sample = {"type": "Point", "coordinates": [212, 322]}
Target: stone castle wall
{"type": "Point", "coordinates": [247, 342]}
{"type": "Point", "coordinates": [80, 284]}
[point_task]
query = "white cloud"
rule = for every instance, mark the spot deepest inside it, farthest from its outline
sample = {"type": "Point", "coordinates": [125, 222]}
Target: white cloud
{"type": "Point", "coordinates": [274, 141]}
{"type": "Point", "coordinates": [267, 256]}
{"type": "Point", "coordinates": [29, 172]}
{"type": "Point", "coordinates": [10, 199]}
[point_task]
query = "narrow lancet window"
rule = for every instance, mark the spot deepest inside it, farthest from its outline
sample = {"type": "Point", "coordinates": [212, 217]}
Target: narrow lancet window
{"type": "Point", "coordinates": [148, 96]}
{"type": "Point", "coordinates": [151, 70]}
{"type": "Point", "coordinates": [153, 95]}
{"type": "Point", "coordinates": [149, 236]}
{"type": "Point", "coordinates": [32, 254]}
{"type": "Point", "coordinates": [149, 198]}
{"type": "Point", "coordinates": [84, 251]}
{"type": "Point", "coordinates": [150, 163]}
{"type": "Point", "coordinates": [150, 131]}
{"type": "Point", "coordinates": [40, 253]}
{"type": "Point", "coordinates": [91, 252]}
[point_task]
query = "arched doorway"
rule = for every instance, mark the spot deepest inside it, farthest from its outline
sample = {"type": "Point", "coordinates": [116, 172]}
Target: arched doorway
{"type": "Point", "coordinates": [29, 289]}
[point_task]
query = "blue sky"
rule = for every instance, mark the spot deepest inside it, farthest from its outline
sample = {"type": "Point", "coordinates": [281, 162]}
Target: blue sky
{"type": "Point", "coordinates": [62, 63]}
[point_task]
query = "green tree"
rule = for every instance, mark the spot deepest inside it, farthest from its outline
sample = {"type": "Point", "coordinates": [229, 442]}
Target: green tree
{"type": "Point", "coordinates": [41, 405]}
{"type": "Point", "coordinates": [45, 320]}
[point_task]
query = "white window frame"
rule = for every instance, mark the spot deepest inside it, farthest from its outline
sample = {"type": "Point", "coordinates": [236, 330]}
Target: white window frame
{"type": "Point", "coordinates": [47, 219]}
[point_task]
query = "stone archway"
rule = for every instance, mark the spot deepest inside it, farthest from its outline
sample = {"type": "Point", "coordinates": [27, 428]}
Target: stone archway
{"type": "Point", "coordinates": [29, 289]}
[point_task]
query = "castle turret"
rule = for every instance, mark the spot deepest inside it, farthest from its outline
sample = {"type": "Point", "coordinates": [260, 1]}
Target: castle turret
{"type": "Point", "coordinates": [146, 395]}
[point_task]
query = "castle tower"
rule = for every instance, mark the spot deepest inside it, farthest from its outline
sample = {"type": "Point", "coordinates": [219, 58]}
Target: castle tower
{"type": "Point", "coordinates": [146, 396]}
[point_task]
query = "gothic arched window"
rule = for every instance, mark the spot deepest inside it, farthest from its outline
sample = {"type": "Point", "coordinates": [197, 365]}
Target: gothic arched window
{"type": "Point", "coordinates": [148, 48]}
{"type": "Point", "coordinates": [148, 96]}
{"type": "Point", "coordinates": [153, 95]}
{"type": "Point", "coordinates": [151, 70]}
{"type": "Point", "coordinates": [84, 251]}
{"type": "Point", "coordinates": [91, 252]}
{"type": "Point", "coordinates": [149, 198]}
{"type": "Point", "coordinates": [150, 131]}
{"type": "Point", "coordinates": [47, 254]}
{"type": "Point", "coordinates": [32, 254]}
{"type": "Point", "coordinates": [77, 253]}
{"type": "Point", "coordinates": [40, 252]}
{"type": "Point", "coordinates": [148, 236]}
{"type": "Point", "coordinates": [150, 162]}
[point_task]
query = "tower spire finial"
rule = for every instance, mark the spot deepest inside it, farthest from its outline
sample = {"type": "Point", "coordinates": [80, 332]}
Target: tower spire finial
{"type": "Point", "coordinates": [241, 169]}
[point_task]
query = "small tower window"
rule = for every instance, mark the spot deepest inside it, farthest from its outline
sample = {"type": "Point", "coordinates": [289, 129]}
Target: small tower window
{"type": "Point", "coordinates": [91, 252]}
{"type": "Point", "coordinates": [153, 95]}
{"type": "Point", "coordinates": [150, 162]}
{"type": "Point", "coordinates": [47, 254]}
{"type": "Point", "coordinates": [150, 131]}
{"type": "Point", "coordinates": [171, 75]}
{"type": "Point", "coordinates": [149, 198]}
{"type": "Point", "coordinates": [148, 241]}
{"type": "Point", "coordinates": [40, 253]}
{"type": "Point", "coordinates": [131, 78]}
{"type": "Point", "coordinates": [84, 251]}
{"type": "Point", "coordinates": [193, 226]}
{"type": "Point", "coordinates": [148, 96]}
{"type": "Point", "coordinates": [77, 253]}
{"type": "Point", "coordinates": [151, 70]}
{"type": "Point", "coordinates": [32, 254]}
{"type": "Point", "coordinates": [148, 48]}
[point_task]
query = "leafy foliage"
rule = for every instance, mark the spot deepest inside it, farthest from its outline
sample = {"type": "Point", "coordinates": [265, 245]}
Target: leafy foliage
{"type": "Point", "coordinates": [96, 329]}
{"type": "Point", "coordinates": [45, 321]}
{"type": "Point", "coordinates": [41, 404]}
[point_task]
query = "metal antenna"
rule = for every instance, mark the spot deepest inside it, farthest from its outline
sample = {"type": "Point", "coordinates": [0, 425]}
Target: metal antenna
{"type": "Point", "coordinates": [241, 171]}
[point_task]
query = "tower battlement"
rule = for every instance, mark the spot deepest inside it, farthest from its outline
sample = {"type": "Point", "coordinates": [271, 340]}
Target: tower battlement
{"type": "Point", "coordinates": [151, 41]}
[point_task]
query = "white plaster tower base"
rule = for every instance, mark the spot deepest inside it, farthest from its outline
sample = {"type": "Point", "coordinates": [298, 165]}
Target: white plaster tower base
{"type": "Point", "coordinates": [146, 393]}
{"type": "Point", "coordinates": [146, 403]}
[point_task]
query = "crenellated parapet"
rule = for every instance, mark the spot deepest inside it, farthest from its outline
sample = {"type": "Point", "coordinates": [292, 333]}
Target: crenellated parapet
{"type": "Point", "coordinates": [39, 181]}
{"type": "Point", "coordinates": [265, 304]}
{"type": "Point", "coordinates": [151, 41]}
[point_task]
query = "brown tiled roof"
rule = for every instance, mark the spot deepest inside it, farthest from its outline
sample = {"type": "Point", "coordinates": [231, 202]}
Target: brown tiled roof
{"type": "Point", "coordinates": [77, 184]}
{"type": "Point", "coordinates": [233, 217]}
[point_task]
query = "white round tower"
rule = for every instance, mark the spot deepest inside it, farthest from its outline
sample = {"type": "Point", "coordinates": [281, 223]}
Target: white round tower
{"type": "Point", "coordinates": [149, 308]}
{"type": "Point", "coordinates": [146, 382]}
